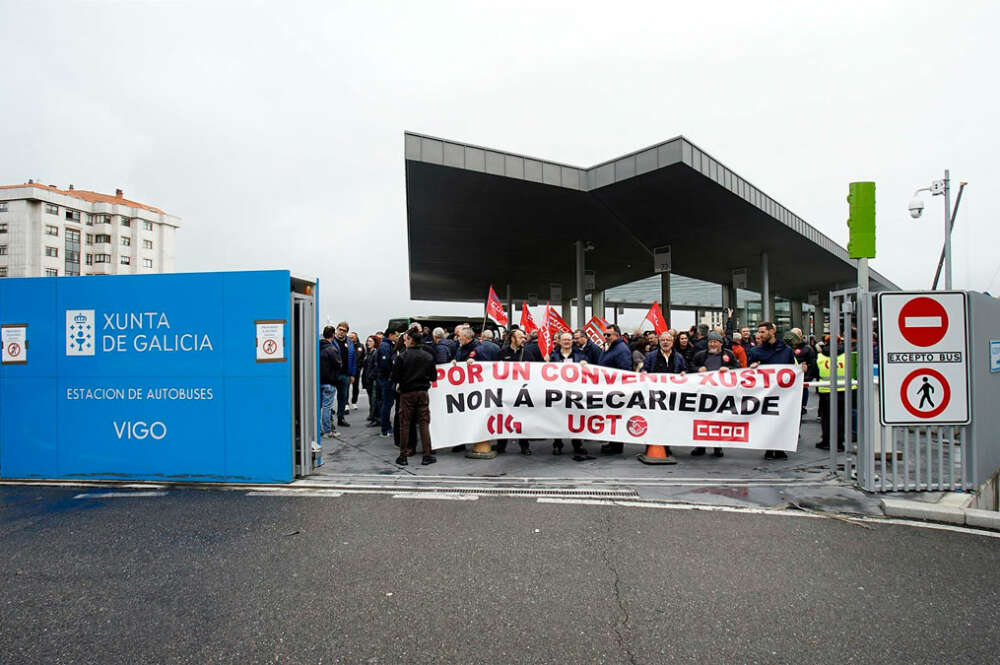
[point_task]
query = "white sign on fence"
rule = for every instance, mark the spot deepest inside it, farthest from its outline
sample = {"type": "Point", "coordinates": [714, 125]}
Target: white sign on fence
{"type": "Point", "coordinates": [744, 408]}
{"type": "Point", "coordinates": [923, 358]}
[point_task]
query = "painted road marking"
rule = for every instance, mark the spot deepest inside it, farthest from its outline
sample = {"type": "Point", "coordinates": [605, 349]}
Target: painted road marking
{"type": "Point", "coordinates": [436, 495]}
{"type": "Point", "coordinates": [310, 493]}
{"type": "Point", "coordinates": [778, 513]}
{"type": "Point", "coordinates": [118, 495]}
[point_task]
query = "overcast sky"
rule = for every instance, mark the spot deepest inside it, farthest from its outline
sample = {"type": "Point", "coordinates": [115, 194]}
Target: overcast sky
{"type": "Point", "coordinates": [275, 130]}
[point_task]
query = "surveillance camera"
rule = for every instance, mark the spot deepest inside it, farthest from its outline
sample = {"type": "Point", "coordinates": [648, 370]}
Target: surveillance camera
{"type": "Point", "coordinates": [916, 208]}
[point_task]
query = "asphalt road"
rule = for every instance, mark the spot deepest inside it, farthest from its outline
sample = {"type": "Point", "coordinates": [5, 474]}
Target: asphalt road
{"type": "Point", "coordinates": [222, 577]}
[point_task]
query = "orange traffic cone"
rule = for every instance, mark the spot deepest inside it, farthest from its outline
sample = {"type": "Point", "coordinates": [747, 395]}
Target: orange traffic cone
{"type": "Point", "coordinates": [657, 455]}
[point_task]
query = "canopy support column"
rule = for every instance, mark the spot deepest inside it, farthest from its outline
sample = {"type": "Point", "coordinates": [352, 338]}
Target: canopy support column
{"type": "Point", "coordinates": [766, 304]}
{"type": "Point", "coordinates": [580, 295]}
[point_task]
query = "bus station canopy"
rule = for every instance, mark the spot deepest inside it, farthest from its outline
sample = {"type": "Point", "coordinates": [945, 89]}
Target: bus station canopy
{"type": "Point", "coordinates": [478, 216]}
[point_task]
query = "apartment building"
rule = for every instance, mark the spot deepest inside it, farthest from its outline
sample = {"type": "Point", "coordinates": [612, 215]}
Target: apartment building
{"type": "Point", "coordinates": [47, 232]}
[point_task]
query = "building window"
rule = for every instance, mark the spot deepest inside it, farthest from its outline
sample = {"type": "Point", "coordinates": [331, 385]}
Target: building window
{"type": "Point", "coordinates": [146, 226]}
{"type": "Point", "coordinates": [51, 272]}
{"type": "Point", "coordinates": [3, 271]}
{"type": "Point", "coordinates": [3, 228]}
{"type": "Point", "coordinates": [3, 206]}
{"type": "Point", "coordinates": [102, 258]}
{"type": "Point", "coordinates": [126, 221]}
{"type": "Point", "coordinates": [3, 250]}
{"type": "Point", "coordinates": [72, 254]}
{"type": "Point", "coordinates": [102, 237]}
{"type": "Point", "coordinates": [73, 215]}
{"type": "Point", "coordinates": [125, 261]}
{"type": "Point", "coordinates": [90, 238]}
{"type": "Point", "coordinates": [147, 244]}
{"type": "Point", "coordinates": [90, 220]}
{"type": "Point", "coordinates": [147, 263]}
{"type": "Point", "coordinates": [52, 251]}
{"type": "Point", "coordinates": [51, 230]}
{"type": "Point", "coordinates": [126, 241]}
{"type": "Point", "coordinates": [101, 219]}
{"type": "Point", "coordinates": [51, 209]}
{"type": "Point", "coordinates": [89, 259]}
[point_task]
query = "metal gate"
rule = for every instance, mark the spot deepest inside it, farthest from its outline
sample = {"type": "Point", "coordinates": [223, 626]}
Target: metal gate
{"type": "Point", "coordinates": [305, 407]}
{"type": "Point", "coordinates": [883, 458]}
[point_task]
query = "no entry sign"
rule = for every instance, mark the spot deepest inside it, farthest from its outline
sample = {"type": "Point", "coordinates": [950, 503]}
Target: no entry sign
{"type": "Point", "coordinates": [923, 359]}
{"type": "Point", "coordinates": [923, 321]}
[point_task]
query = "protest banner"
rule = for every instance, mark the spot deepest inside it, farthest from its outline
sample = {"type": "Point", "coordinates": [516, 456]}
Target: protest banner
{"type": "Point", "coordinates": [744, 408]}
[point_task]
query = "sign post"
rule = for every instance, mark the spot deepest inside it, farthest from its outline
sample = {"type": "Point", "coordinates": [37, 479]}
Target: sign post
{"type": "Point", "coordinates": [924, 358]}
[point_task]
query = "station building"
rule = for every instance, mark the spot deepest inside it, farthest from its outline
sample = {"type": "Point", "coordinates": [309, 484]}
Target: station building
{"type": "Point", "coordinates": [541, 230]}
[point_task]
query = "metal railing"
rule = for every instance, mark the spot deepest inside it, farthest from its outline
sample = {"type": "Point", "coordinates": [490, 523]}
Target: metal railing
{"type": "Point", "coordinates": [881, 458]}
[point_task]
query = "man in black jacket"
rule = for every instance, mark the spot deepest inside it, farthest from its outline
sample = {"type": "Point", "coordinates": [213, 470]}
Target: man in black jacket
{"type": "Point", "coordinates": [413, 373]}
{"type": "Point", "coordinates": [329, 367]}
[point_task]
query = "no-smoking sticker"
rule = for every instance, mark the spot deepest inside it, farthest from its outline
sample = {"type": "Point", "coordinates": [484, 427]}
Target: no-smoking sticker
{"type": "Point", "coordinates": [14, 344]}
{"type": "Point", "coordinates": [270, 340]}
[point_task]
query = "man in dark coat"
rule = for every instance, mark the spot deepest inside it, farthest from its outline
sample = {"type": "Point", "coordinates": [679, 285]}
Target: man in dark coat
{"type": "Point", "coordinates": [770, 351]}
{"type": "Point", "coordinates": [618, 356]}
{"type": "Point", "coordinates": [591, 352]}
{"type": "Point", "coordinates": [412, 373]}
{"type": "Point", "coordinates": [665, 359]}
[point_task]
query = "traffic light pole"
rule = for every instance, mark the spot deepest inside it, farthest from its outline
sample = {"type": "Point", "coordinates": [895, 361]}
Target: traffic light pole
{"type": "Point", "coordinates": [863, 274]}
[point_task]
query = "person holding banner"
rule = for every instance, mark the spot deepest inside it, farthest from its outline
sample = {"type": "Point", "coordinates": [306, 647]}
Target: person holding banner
{"type": "Point", "coordinates": [665, 359]}
{"type": "Point", "coordinates": [514, 352]}
{"type": "Point", "coordinates": [567, 352]}
{"type": "Point", "coordinates": [714, 358]}
{"type": "Point", "coordinates": [618, 356]}
{"type": "Point", "coordinates": [770, 351]}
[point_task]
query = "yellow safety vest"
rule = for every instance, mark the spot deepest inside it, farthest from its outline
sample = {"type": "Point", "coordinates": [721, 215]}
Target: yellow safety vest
{"type": "Point", "coordinates": [823, 362]}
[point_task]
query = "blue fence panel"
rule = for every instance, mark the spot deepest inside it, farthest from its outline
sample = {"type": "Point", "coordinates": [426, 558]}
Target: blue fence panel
{"type": "Point", "coordinates": [146, 377]}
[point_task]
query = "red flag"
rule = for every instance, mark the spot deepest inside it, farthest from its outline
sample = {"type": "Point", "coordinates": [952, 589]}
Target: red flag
{"type": "Point", "coordinates": [556, 323]}
{"type": "Point", "coordinates": [527, 323]}
{"type": "Point", "coordinates": [545, 335]}
{"type": "Point", "coordinates": [655, 316]}
{"type": "Point", "coordinates": [494, 308]}
{"type": "Point", "coordinates": [595, 329]}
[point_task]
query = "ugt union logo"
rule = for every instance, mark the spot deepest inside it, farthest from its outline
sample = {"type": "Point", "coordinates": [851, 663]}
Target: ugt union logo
{"type": "Point", "coordinates": [79, 332]}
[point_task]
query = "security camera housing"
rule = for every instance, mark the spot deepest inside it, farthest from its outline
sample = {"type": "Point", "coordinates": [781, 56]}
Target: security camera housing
{"type": "Point", "coordinates": [916, 208]}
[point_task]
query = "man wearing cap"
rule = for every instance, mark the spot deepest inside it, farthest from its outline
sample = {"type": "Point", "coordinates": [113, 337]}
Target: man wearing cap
{"type": "Point", "coordinates": [714, 359]}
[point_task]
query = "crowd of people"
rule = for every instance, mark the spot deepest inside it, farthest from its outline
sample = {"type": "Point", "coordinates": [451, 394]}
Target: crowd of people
{"type": "Point", "coordinates": [396, 368]}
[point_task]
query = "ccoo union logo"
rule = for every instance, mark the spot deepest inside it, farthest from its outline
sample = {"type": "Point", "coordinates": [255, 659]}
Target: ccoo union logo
{"type": "Point", "coordinates": [637, 426]}
{"type": "Point", "coordinates": [718, 430]}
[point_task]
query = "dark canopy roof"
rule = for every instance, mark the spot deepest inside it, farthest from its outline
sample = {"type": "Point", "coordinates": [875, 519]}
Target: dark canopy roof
{"type": "Point", "coordinates": [477, 217]}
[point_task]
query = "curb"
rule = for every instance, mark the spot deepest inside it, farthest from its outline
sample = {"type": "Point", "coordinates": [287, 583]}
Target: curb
{"type": "Point", "coordinates": [953, 508]}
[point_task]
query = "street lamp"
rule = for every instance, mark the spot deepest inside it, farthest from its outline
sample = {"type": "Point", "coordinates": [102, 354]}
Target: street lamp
{"type": "Point", "coordinates": [937, 188]}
